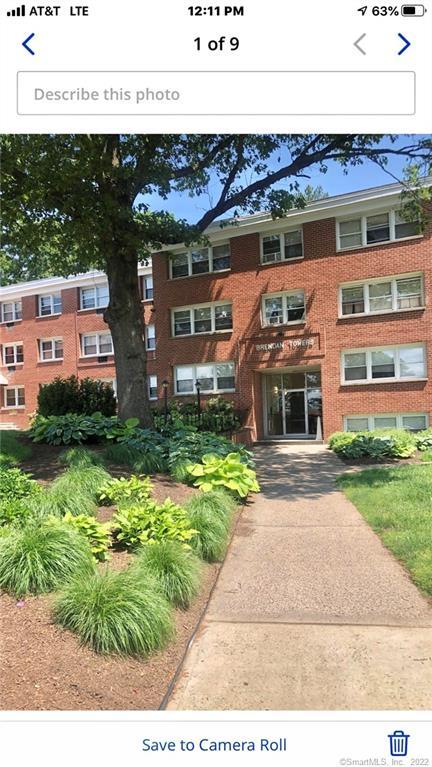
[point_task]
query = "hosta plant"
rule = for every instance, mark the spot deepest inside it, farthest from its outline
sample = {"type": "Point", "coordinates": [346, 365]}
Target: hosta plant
{"type": "Point", "coordinates": [15, 484]}
{"type": "Point", "coordinates": [126, 491]}
{"type": "Point", "coordinates": [98, 534]}
{"type": "Point", "coordinates": [229, 472]}
{"type": "Point", "coordinates": [148, 522]}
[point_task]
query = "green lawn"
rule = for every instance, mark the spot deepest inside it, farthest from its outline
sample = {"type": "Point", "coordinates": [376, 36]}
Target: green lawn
{"type": "Point", "coordinates": [12, 448]}
{"type": "Point", "coordinates": [397, 503]}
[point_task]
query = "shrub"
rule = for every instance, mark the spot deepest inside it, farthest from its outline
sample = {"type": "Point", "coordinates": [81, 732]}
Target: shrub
{"type": "Point", "coordinates": [228, 472]}
{"type": "Point", "coordinates": [70, 395]}
{"type": "Point", "coordinates": [189, 447]}
{"type": "Point", "coordinates": [97, 534]}
{"type": "Point", "coordinates": [176, 569]}
{"type": "Point", "coordinates": [39, 558]}
{"type": "Point", "coordinates": [71, 428]}
{"type": "Point", "coordinates": [116, 613]}
{"type": "Point", "coordinates": [121, 492]}
{"type": "Point", "coordinates": [88, 480]}
{"type": "Point", "coordinates": [16, 512]}
{"type": "Point", "coordinates": [340, 439]}
{"type": "Point", "coordinates": [218, 416]}
{"type": "Point", "coordinates": [80, 456]}
{"type": "Point", "coordinates": [134, 525]}
{"type": "Point", "coordinates": [12, 449]}
{"type": "Point", "coordinates": [212, 532]}
{"type": "Point", "coordinates": [423, 439]}
{"type": "Point", "coordinates": [378, 444]}
{"type": "Point", "coordinates": [15, 484]}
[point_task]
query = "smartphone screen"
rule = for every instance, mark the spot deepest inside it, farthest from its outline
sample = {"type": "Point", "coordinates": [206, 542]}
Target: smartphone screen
{"type": "Point", "coordinates": [215, 394]}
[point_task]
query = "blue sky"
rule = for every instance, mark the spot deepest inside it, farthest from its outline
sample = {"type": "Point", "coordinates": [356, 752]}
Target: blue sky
{"type": "Point", "coordinates": [333, 182]}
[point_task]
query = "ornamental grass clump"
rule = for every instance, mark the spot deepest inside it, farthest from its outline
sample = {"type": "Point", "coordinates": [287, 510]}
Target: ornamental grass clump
{"type": "Point", "coordinates": [176, 569]}
{"type": "Point", "coordinates": [86, 479]}
{"type": "Point", "coordinates": [39, 558]}
{"type": "Point", "coordinates": [63, 499]}
{"type": "Point", "coordinates": [80, 456]}
{"type": "Point", "coordinates": [217, 502]}
{"type": "Point", "coordinates": [212, 533]}
{"type": "Point", "coordinates": [119, 613]}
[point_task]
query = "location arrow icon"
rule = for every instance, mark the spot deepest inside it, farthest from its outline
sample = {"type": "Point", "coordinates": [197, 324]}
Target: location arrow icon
{"type": "Point", "coordinates": [27, 47]}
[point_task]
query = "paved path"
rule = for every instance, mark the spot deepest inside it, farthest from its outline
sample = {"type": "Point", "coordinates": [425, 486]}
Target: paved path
{"type": "Point", "coordinates": [310, 610]}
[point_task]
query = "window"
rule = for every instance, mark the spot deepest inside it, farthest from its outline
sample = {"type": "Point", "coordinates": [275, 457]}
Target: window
{"type": "Point", "coordinates": [200, 261]}
{"type": "Point", "coordinates": [14, 396]}
{"type": "Point", "coordinates": [281, 247]}
{"type": "Point", "coordinates": [94, 298]}
{"type": "Point", "coordinates": [150, 338]}
{"type": "Point", "coordinates": [13, 354]}
{"type": "Point", "coordinates": [147, 287]}
{"type": "Point", "coordinates": [283, 308]}
{"type": "Point", "coordinates": [51, 304]}
{"type": "Point", "coordinates": [11, 311]}
{"type": "Point", "coordinates": [387, 363]}
{"type": "Point", "coordinates": [369, 230]}
{"type": "Point", "coordinates": [213, 377]}
{"type": "Point", "coordinates": [203, 318]}
{"type": "Point", "coordinates": [152, 387]}
{"type": "Point", "coordinates": [95, 344]}
{"type": "Point", "coordinates": [392, 294]}
{"type": "Point", "coordinates": [50, 349]}
{"type": "Point", "coordinates": [409, 421]}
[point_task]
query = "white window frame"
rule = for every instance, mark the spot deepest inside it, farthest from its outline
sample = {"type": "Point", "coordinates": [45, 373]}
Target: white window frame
{"type": "Point", "coordinates": [51, 341]}
{"type": "Point", "coordinates": [14, 345]}
{"type": "Point", "coordinates": [398, 416]}
{"type": "Point", "coordinates": [98, 353]}
{"type": "Point", "coordinates": [51, 297]}
{"type": "Point", "coordinates": [281, 236]}
{"type": "Point", "coordinates": [362, 217]}
{"type": "Point", "coordinates": [95, 289]}
{"type": "Point", "coordinates": [145, 279]}
{"type": "Point", "coordinates": [283, 295]}
{"type": "Point", "coordinates": [368, 351]}
{"type": "Point", "coordinates": [15, 406]}
{"type": "Point", "coordinates": [188, 253]}
{"type": "Point", "coordinates": [149, 387]}
{"type": "Point", "coordinates": [195, 378]}
{"type": "Point", "coordinates": [191, 309]}
{"type": "Point", "coordinates": [150, 336]}
{"type": "Point", "coordinates": [376, 281]}
{"type": "Point", "coordinates": [16, 309]}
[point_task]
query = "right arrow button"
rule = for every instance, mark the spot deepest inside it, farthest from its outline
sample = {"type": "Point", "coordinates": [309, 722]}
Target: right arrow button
{"type": "Point", "coordinates": [406, 46]}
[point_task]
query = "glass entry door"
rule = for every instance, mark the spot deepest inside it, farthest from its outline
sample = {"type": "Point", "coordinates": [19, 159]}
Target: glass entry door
{"type": "Point", "coordinates": [293, 404]}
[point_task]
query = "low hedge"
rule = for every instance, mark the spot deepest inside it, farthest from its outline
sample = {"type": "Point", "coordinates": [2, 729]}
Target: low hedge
{"type": "Point", "coordinates": [378, 444]}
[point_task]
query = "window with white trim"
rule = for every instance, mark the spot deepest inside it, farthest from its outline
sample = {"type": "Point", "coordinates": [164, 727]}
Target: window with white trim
{"type": "Point", "coordinates": [283, 308]}
{"type": "Point", "coordinates": [281, 247]}
{"type": "Point", "coordinates": [50, 349]}
{"type": "Point", "coordinates": [408, 421]}
{"type": "Point", "coordinates": [11, 311]}
{"type": "Point", "coordinates": [399, 363]}
{"type": "Point", "coordinates": [147, 287]}
{"type": "Point", "coordinates": [390, 294]}
{"type": "Point", "coordinates": [200, 261]}
{"type": "Point", "coordinates": [361, 231]}
{"type": "Point", "coordinates": [96, 344]}
{"type": "Point", "coordinates": [150, 335]}
{"type": "Point", "coordinates": [14, 396]}
{"type": "Point", "coordinates": [13, 354]}
{"type": "Point", "coordinates": [152, 387]}
{"type": "Point", "coordinates": [96, 297]}
{"type": "Point", "coordinates": [49, 304]}
{"type": "Point", "coordinates": [213, 378]}
{"type": "Point", "coordinates": [202, 318]}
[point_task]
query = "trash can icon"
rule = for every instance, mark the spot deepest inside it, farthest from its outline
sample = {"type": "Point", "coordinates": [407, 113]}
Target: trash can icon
{"type": "Point", "coordinates": [399, 743]}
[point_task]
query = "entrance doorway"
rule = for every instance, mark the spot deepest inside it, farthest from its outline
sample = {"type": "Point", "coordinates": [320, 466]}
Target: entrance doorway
{"type": "Point", "coordinates": [292, 404]}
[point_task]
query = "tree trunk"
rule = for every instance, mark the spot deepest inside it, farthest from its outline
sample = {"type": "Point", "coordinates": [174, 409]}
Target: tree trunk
{"type": "Point", "coordinates": [124, 316]}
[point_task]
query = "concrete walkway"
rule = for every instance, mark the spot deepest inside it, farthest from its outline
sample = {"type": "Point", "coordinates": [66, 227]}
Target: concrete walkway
{"type": "Point", "coordinates": [310, 610]}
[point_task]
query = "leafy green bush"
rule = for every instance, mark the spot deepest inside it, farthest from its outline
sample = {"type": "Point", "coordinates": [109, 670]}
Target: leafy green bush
{"type": "Point", "coordinates": [12, 449]}
{"type": "Point", "coordinates": [423, 439]}
{"type": "Point", "coordinates": [70, 395]}
{"type": "Point", "coordinates": [15, 484]}
{"type": "Point", "coordinates": [88, 480]}
{"type": "Point", "coordinates": [212, 531]}
{"type": "Point", "coordinates": [218, 416]}
{"type": "Point", "coordinates": [378, 444]}
{"type": "Point", "coordinates": [98, 534]}
{"type": "Point", "coordinates": [80, 456]}
{"type": "Point", "coordinates": [426, 456]}
{"type": "Point", "coordinates": [116, 613]}
{"type": "Point", "coordinates": [39, 558]}
{"type": "Point", "coordinates": [71, 428]}
{"type": "Point", "coordinates": [228, 472]}
{"type": "Point", "coordinates": [148, 522]}
{"type": "Point", "coordinates": [134, 490]}
{"type": "Point", "coordinates": [176, 569]}
{"type": "Point", "coordinates": [18, 512]}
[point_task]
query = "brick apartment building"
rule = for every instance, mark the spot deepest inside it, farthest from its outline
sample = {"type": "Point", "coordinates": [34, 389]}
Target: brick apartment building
{"type": "Point", "coordinates": [318, 322]}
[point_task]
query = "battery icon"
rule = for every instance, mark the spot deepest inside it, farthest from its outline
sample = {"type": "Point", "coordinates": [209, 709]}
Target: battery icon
{"type": "Point", "coordinates": [413, 10]}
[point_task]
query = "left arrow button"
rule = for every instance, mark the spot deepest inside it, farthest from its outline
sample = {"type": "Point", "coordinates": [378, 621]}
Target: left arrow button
{"type": "Point", "coordinates": [26, 45]}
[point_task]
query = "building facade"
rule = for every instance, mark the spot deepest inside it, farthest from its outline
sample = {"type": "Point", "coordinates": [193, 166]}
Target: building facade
{"type": "Point", "coordinates": [312, 324]}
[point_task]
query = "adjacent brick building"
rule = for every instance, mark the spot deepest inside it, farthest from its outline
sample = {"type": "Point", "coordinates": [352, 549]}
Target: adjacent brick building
{"type": "Point", "coordinates": [316, 323]}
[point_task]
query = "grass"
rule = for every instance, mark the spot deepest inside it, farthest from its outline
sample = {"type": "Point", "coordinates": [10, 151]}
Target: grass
{"type": "Point", "coordinates": [39, 558]}
{"type": "Point", "coordinates": [139, 461]}
{"type": "Point", "coordinates": [426, 457]}
{"type": "Point", "coordinates": [397, 503]}
{"type": "Point", "coordinates": [86, 479]}
{"type": "Point", "coordinates": [81, 457]}
{"type": "Point", "coordinates": [216, 502]}
{"type": "Point", "coordinates": [63, 498]}
{"type": "Point", "coordinates": [116, 613]}
{"type": "Point", "coordinates": [12, 449]}
{"type": "Point", "coordinates": [176, 569]}
{"type": "Point", "coordinates": [211, 518]}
